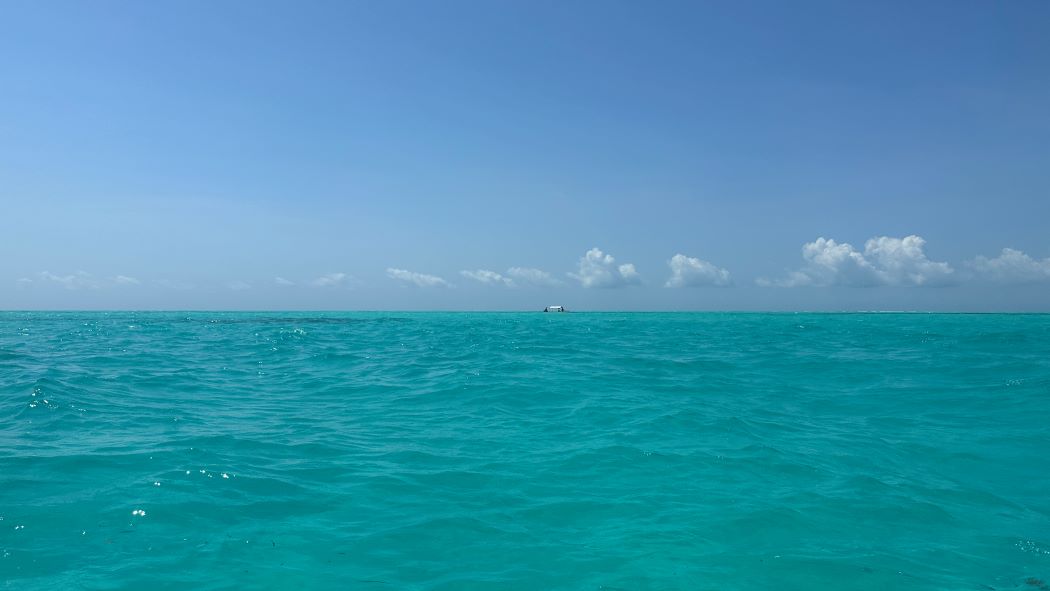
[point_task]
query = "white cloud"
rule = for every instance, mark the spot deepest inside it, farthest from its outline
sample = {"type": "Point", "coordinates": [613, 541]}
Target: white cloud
{"type": "Point", "coordinates": [885, 261]}
{"type": "Point", "coordinates": [23, 282]}
{"type": "Point", "coordinates": [330, 280]}
{"type": "Point", "coordinates": [530, 276]}
{"type": "Point", "coordinates": [830, 263]}
{"type": "Point", "coordinates": [514, 277]}
{"type": "Point", "coordinates": [78, 280]}
{"type": "Point", "coordinates": [488, 277]}
{"type": "Point", "coordinates": [1012, 266]}
{"type": "Point", "coordinates": [238, 285]}
{"type": "Point", "coordinates": [282, 281]}
{"type": "Point", "coordinates": [418, 279]}
{"type": "Point", "coordinates": [693, 272]}
{"type": "Point", "coordinates": [125, 280]}
{"type": "Point", "coordinates": [901, 261]}
{"type": "Point", "coordinates": [598, 269]}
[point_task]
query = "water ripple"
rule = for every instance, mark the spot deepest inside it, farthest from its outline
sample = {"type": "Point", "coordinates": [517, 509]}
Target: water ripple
{"type": "Point", "coordinates": [524, 451]}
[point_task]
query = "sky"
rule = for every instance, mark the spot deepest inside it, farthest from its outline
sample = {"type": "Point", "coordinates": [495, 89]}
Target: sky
{"type": "Point", "coordinates": [511, 155]}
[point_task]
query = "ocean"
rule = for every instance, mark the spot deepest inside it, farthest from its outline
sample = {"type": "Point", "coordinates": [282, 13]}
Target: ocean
{"type": "Point", "coordinates": [614, 451]}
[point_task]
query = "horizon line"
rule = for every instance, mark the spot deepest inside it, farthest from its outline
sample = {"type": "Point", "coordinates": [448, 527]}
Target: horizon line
{"type": "Point", "coordinates": [501, 311]}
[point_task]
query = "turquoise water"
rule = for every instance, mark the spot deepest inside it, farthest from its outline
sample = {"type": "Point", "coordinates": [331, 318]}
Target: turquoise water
{"type": "Point", "coordinates": [524, 451]}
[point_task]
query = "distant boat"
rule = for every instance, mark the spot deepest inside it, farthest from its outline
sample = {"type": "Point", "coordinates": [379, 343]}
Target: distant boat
{"type": "Point", "coordinates": [554, 309]}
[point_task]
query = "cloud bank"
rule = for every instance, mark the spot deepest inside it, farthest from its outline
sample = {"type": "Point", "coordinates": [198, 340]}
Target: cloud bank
{"type": "Point", "coordinates": [884, 261]}
{"type": "Point", "coordinates": [417, 279]}
{"type": "Point", "coordinates": [597, 269]}
{"type": "Point", "coordinates": [1012, 266]}
{"type": "Point", "coordinates": [78, 280]}
{"type": "Point", "coordinates": [533, 277]}
{"type": "Point", "coordinates": [328, 280]}
{"type": "Point", "coordinates": [125, 280]}
{"type": "Point", "coordinates": [514, 277]}
{"type": "Point", "coordinates": [488, 277]}
{"type": "Point", "coordinates": [693, 272]}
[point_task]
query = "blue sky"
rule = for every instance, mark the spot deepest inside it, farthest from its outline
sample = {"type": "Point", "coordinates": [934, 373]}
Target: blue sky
{"type": "Point", "coordinates": [338, 155]}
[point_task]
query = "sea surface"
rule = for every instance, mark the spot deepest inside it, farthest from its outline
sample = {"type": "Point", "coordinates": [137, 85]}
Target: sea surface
{"type": "Point", "coordinates": [530, 451]}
